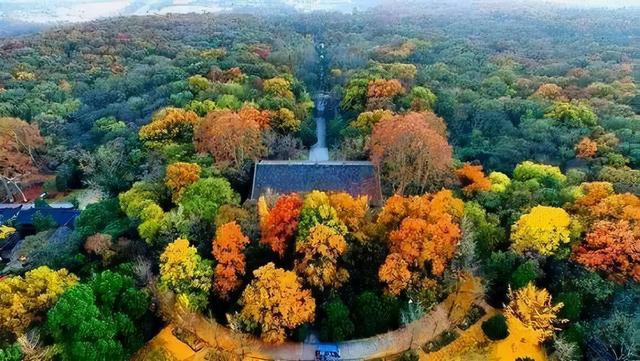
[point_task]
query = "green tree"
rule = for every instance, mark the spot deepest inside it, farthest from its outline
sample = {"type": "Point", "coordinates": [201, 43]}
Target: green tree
{"type": "Point", "coordinates": [375, 314]}
{"type": "Point", "coordinates": [336, 325]}
{"type": "Point", "coordinates": [98, 320]}
{"type": "Point", "coordinates": [204, 197]}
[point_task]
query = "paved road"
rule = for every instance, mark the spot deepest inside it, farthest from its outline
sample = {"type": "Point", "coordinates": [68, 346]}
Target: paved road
{"type": "Point", "coordinates": [319, 151]}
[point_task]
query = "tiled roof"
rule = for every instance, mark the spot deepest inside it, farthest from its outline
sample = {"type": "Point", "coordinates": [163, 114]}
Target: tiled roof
{"type": "Point", "coordinates": [24, 215]}
{"type": "Point", "coordinates": [355, 178]}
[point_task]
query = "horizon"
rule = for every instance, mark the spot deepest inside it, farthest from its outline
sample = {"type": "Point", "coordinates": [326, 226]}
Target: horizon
{"type": "Point", "coordinates": [57, 12]}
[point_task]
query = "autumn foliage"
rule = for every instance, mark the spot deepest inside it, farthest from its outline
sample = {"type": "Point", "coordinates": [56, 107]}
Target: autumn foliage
{"type": "Point", "coordinates": [381, 88]}
{"type": "Point", "coordinates": [611, 247]}
{"type": "Point", "coordinates": [179, 176]}
{"type": "Point", "coordinates": [543, 230]}
{"type": "Point", "coordinates": [229, 138]}
{"type": "Point", "coordinates": [169, 124]}
{"type": "Point", "coordinates": [252, 114]}
{"type": "Point", "coordinates": [531, 319]}
{"type": "Point", "coordinates": [412, 151]}
{"type": "Point", "coordinates": [473, 179]}
{"type": "Point", "coordinates": [23, 299]}
{"type": "Point", "coordinates": [227, 251]}
{"type": "Point", "coordinates": [320, 253]}
{"type": "Point", "coordinates": [427, 230]}
{"type": "Point", "coordinates": [280, 224]}
{"type": "Point", "coordinates": [586, 148]}
{"type": "Point", "coordinates": [276, 301]}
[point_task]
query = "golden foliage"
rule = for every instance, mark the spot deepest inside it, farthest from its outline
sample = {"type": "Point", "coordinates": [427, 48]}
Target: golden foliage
{"type": "Point", "coordinates": [6, 231]}
{"type": "Point", "coordinates": [169, 124]}
{"type": "Point", "coordinates": [23, 299]}
{"type": "Point", "coordinates": [543, 230]}
{"type": "Point", "coordinates": [367, 120]}
{"type": "Point", "coordinates": [533, 307]}
{"type": "Point", "coordinates": [395, 273]}
{"type": "Point", "coordinates": [382, 88]}
{"type": "Point", "coordinates": [276, 302]}
{"type": "Point", "coordinates": [279, 87]}
{"type": "Point", "coordinates": [351, 211]}
{"type": "Point", "coordinates": [421, 228]}
{"type": "Point", "coordinates": [183, 271]}
{"type": "Point", "coordinates": [320, 253]}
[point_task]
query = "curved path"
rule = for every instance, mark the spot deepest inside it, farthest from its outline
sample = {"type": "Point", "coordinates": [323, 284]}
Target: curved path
{"type": "Point", "coordinates": [247, 347]}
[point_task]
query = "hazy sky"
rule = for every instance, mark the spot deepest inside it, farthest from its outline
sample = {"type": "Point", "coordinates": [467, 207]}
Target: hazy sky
{"type": "Point", "coordinates": [42, 11]}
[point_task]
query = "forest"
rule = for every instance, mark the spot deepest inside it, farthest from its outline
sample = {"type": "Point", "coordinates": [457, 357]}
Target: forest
{"type": "Point", "coordinates": [506, 140]}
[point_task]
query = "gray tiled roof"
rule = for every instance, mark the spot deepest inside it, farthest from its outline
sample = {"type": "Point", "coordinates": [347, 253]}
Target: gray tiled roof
{"type": "Point", "coordinates": [353, 177]}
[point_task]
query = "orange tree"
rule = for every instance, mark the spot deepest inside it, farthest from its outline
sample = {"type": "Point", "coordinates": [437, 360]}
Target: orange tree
{"type": "Point", "coordinates": [229, 138]}
{"type": "Point", "coordinates": [412, 152]}
{"type": "Point", "coordinates": [179, 176]}
{"type": "Point", "coordinates": [421, 230]}
{"type": "Point", "coordinates": [280, 223]}
{"type": "Point", "coordinates": [227, 251]}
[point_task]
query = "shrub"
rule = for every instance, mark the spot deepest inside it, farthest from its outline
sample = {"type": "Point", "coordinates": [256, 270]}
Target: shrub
{"type": "Point", "coordinates": [525, 273]}
{"type": "Point", "coordinates": [11, 353]}
{"type": "Point", "coordinates": [43, 222]}
{"type": "Point", "coordinates": [496, 328]}
{"type": "Point", "coordinates": [336, 324]}
{"type": "Point", "coordinates": [572, 305]}
{"type": "Point", "coordinates": [375, 314]}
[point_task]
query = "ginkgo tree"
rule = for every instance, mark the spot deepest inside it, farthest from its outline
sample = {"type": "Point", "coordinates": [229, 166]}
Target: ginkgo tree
{"type": "Point", "coordinates": [276, 302]}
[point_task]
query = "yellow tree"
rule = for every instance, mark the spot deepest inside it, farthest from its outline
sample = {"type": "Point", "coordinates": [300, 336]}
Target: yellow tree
{"type": "Point", "coordinates": [532, 319]}
{"type": "Point", "coordinates": [543, 230]}
{"type": "Point", "coordinates": [320, 253]}
{"type": "Point", "coordinates": [23, 299]}
{"type": "Point", "coordinates": [183, 271]}
{"type": "Point", "coordinates": [276, 301]}
{"type": "Point", "coordinates": [179, 176]}
{"type": "Point", "coordinates": [169, 124]}
{"type": "Point", "coordinates": [352, 211]}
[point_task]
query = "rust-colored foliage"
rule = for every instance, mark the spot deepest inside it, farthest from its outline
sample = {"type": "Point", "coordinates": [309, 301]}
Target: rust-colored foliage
{"type": "Point", "coordinates": [412, 151]}
{"type": "Point", "coordinates": [225, 76]}
{"type": "Point", "coordinates": [611, 247]}
{"type": "Point", "coordinates": [382, 88]}
{"type": "Point", "coordinates": [586, 148]}
{"type": "Point", "coordinates": [260, 117]}
{"type": "Point", "coordinates": [549, 91]}
{"type": "Point", "coordinates": [229, 138]}
{"type": "Point", "coordinates": [473, 179]}
{"type": "Point", "coordinates": [227, 250]}
{"type": "Point", "coordinates": [169, 124]}
{"type": "Point", "coordinates": [281, 223]}
{"type": "Point", "coordinates": [19, 142]}
{"type": "Point", "coordinates": [179, 176]}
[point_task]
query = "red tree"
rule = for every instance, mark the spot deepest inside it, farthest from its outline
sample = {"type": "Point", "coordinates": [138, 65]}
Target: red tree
{"type": "Point", "coordinates": [281, 223]}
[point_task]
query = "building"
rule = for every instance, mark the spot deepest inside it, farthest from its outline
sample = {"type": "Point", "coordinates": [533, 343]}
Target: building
{"type": "Point", "coordinates": [353, 177]}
